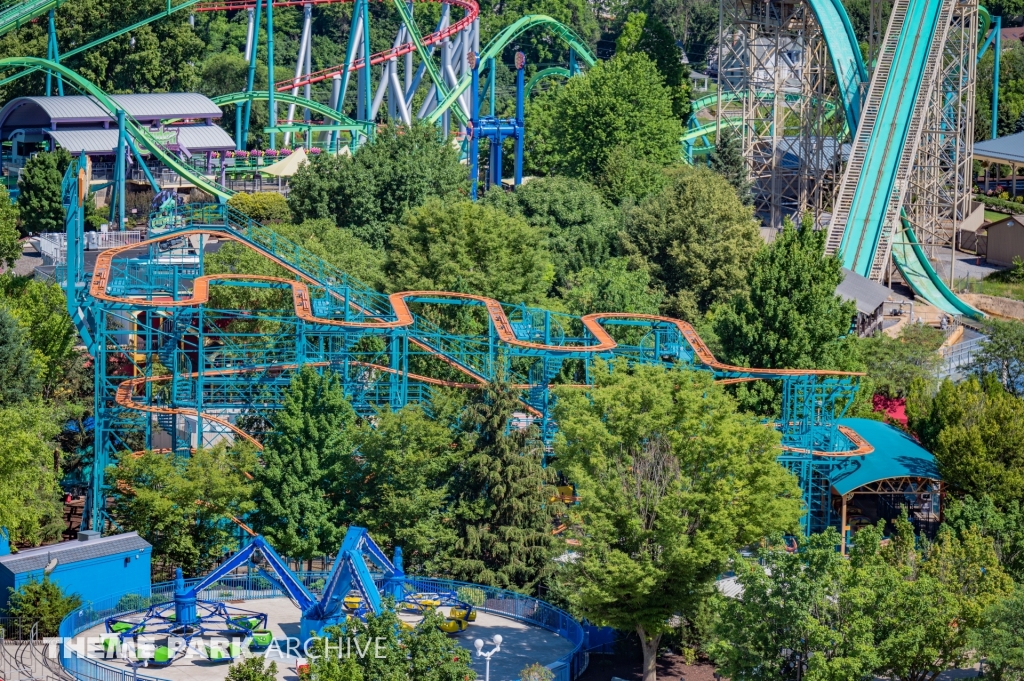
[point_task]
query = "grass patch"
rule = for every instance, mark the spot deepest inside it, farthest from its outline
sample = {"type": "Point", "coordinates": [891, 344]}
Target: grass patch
{"type": "Point", "coordinates": [1005, 284]}
{"type": "Point", "coordinates": [992, 216]}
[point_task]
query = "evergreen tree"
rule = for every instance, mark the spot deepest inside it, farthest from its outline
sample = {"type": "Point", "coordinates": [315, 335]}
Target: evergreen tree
{"type": "Point", "coordinates": [502, 490]}
{"type": "Point", "coordinates": [727, 160]}
{"type": "Point", "coordinates": [791, 317]}
{"type": "Point", "coordinates": [19, 379]}
{"type": "Point", "coordinates": [41, 601]}
{"type": "Point", "coordinates": [10, 246]}
{"type": "Point", "coordinates": [309, 445]}
{"type": "Point", "coordinates": [39, 200]}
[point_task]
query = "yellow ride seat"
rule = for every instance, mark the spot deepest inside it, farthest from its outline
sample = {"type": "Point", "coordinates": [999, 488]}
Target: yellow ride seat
{"type": "Point", "coordinates": [453, 626]}
{"type": "Point", "coordinates": [353, 602]}
{"type": "Point", "coordinates": [462, 614]}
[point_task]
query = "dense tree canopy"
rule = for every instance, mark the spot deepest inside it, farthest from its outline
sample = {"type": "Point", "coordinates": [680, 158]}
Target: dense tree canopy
{"type": "Point", "coordinates": [791, 316]}
{"type": "Point", "coordinates": [700, 238]}
{"type": "Point", "coordinates": [469, 248]}
{"type": "Point", "coordinates": [581, 228]}
{"type": "Point", "coordinates": [39, 200]}
{"type": "Point", "coordinates": [501, 493]}
{"type": "Point", "coordinates": [156, 495]}
{"type": "Point", "coordinates": [620, 102]}
{"type": "Point", "coordinates": [309, 448]}
{"type": "Point", "coordinates": [975, 429]}
{"type": "Point", "coordinates": [672, 479]}
{"type": "Point", "coordinates": [29, 503]}
{"type": "Point", "coordinates": [398, 170]}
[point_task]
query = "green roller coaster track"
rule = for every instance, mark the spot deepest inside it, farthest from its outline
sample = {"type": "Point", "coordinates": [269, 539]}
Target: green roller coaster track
{"type": "Point", "coordinates": [551, 72]}
{"type": "Point", "coordinates": [506, 36]}
{"type": "Point", "coordinates": [327, 112]}
{"type": "Point", "coordinates": [132, 127]}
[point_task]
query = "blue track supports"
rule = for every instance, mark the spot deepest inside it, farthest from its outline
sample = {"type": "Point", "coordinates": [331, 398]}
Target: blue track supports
{"type": "Point", "coordinates": [996, 28]}
{"type": "Point", "coordinates": [53, 54]}
{"type": "Point", "coordinates": [120, 159]}
{"type": "Point", "coordinates": [496, 130]}
{"type": "Point", "coordinates": [271, 89]}
{"type": "Point", "coordinates": [250, 79]}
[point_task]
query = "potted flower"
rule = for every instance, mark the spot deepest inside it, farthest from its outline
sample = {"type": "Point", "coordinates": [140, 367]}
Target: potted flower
{"type": "Point", "coordinates": [242, 153]}
{"type": "Point", "coordinates": [272, 153]}
{"type": "Point", "coordinates": [286, 152]}
{"type": "Point", "coordinates": [315, 150]}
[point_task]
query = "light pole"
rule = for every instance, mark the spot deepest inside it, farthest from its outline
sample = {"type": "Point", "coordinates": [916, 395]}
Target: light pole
{"type": "Point", "coordinates": [479, 645]}
{"type": "Point", "coordinates": [135, 664]}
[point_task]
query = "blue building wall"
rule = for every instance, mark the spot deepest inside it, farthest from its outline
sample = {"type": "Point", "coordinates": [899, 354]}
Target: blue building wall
{"type": "Point", "coordinates": [93, 579]}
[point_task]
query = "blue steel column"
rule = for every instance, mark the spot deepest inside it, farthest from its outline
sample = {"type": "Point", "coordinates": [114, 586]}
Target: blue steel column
{"type": "Point", "coordinates": [53, 54]}
{"type": "Point", "coordinates": [520, 130]}
{"type": "Point", "coordinates": [474, 144]}
{"type": "Point", "coordinates": [271, 104]}
{"type": "Point", "coordinates": [995, 76]}
{"type": "Point", "coordinates": [250, 80]}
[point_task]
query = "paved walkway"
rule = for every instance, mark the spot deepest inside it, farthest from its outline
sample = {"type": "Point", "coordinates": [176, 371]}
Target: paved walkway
{"type": "Point", "coordinates": [521, 646]}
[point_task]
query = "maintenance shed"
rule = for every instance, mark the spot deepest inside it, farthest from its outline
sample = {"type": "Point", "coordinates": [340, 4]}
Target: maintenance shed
{"type": "Point", "coordinates": [1005, 240]}
{"type": "Point", "coordinates": [93, 567]}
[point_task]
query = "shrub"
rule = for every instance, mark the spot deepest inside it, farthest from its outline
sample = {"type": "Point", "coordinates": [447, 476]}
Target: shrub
{"type": "Point", "coordinates": [468, 594]}
{"type": "Point", "coordinates": [41, 601]}
{"type": "Point", "coordinates": [130, 602]}
{"type": "Point", "coordinates": [263, 207]}
{"type": "Point", "coordinates": [536, 672]}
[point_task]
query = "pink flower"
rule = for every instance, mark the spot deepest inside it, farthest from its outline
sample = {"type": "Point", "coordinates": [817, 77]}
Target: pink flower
{"type": "Point", "coordinates": [286, 152]}
{"type": "Point", "coordinates": [315, 150]}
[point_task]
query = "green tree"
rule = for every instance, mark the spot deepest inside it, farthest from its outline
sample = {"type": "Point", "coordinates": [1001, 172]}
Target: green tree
{"type": "Point", "coordinates": [672, 479]}
{"type": "Point", "coordinates": [1002, 355]}
{"type": "Point", "coordinates": [435, 656]}
{"type": "Point", "coordinates": [581, 228]}
{"type": "Point", "coordinates": [1004, 525]}
{"type": "Point", "coordinates": [41, 311]}
{"type": "Point", "coordinates": [10, 246]}
{"type": "Point", "coordinates": [501, 491]}
{"type": "Point", "coordinates": [469, 248]}
{"type": "Point", "coordinates": [700, 239]}
{"type": "Point", "coordinates": [39, 198]}
{"type": "Point", "coordinates": [397, 171]}
{"type": "Point", "coordinates": [263, 207]}
{"type": "Point", "coordinates": [895, 363]}
{"type": "Point", "coordinates": [254, 668]}
{"type": "Point", "coordinates": [646, 33]}
{"type": "Point", "coordinates": [627, 179]}
{"type": "Point", "coordinates": [29, 495]}
{"type": "Point", "coordinates": [975, 430]}
{"type": "Point", "coordinates": [617, 285]}
{"type": "Point", "coordinates": [310, 445]}
{"type": "Point", "coordinates": [43, 602]}
{"type": "Point", "coordinates": [1000, 639]}
{"type": "Point", "coordinates": [801, 616]}
{"type": "Point", "coordinates": [929, 603]}
{"type": "Point", "coordinates": [728, 161]}
{"type": "Point", "coordinates": [790, 317]}
{"type": "Point", "coordinates": [620, 102]}
{"type": "Point", "coordinates": [399, 491]}
{"type": "Point", "coordinates": [19, 376]}
{"type": "Point", "coordinates": [183, 507]}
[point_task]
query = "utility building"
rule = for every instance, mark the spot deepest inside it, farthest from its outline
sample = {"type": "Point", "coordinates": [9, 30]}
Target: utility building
{"type": "Point", "coordinates": [94, 567]}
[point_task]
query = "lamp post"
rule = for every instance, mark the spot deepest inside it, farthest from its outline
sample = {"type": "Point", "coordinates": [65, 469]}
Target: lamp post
{"type": "Point", "coordinates": [479, 645]}
{"type": "Point", "coordinates": [135, 664]}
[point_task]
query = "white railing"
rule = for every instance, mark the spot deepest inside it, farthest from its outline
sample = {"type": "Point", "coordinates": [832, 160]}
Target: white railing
{"type": "Point", "coordinates": [53, 245]}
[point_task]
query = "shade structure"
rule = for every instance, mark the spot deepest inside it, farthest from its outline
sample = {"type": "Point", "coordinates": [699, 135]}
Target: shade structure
{"type": "Point", "coordinates": [288, 165]}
